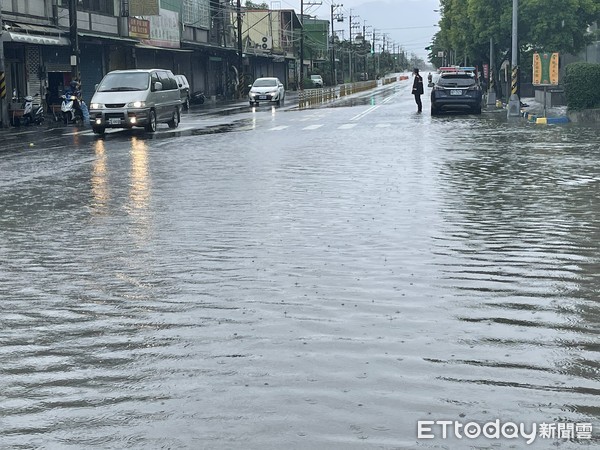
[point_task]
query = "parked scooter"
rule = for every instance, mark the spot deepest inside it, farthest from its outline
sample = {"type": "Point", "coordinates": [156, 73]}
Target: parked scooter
{"type": "Point", "coordinates": [71, 109]}
{"type": "Point", "coordinates": [32, 113]}
{"type": "Point", "coordinates": [197, 98]}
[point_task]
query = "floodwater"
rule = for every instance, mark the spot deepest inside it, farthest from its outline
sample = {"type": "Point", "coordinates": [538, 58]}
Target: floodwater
{"type": "Point", "coordinates": [258, 289]}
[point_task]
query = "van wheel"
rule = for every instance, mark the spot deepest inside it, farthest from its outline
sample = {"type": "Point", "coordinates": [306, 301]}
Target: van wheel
{"type": "Point", "coordinates": [186, 104]}
{"type": "Point", "coordinates": [151, 126]}
{"type": "Point", "coordinates": [98, 130]}
{"type": "Point", "coordinates": [174, 123]}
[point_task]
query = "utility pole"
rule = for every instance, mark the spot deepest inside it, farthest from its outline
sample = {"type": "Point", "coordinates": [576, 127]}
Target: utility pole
{"type": "Point", "coordinates": [74, 39]}
{"type": "Point", "coordinates": [339, 18]}
{"type": "Point", "coordinates": [491, 93]}
{"type": "Point", "coordinates": [301, 45]}
{"type": "Point", "coordinates": [240, 49]}
{"type": "Point", "coordinates": [366, 69]}
{"type": "Point", "coordinates": [514, 103]}
{"type": "Point", "coordinates": [373, 53]}
{"type": "Point", "coordinates": [3, 100]}
{"type": "Point", "coordinates": [353, 62]}
{"type": "Point", "coordinates": [350, 48]}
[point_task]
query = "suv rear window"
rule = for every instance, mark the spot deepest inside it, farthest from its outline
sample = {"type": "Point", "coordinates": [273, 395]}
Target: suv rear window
{"type": "Point", "coordinates": [456, 80]}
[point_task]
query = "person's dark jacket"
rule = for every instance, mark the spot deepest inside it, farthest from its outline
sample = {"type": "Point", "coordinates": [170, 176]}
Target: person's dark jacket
{"type": "Point", "coordinates": [417, 85]}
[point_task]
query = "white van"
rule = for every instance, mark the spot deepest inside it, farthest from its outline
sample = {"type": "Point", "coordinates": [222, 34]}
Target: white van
{"type": "Point", "coordinates": [136, 98]}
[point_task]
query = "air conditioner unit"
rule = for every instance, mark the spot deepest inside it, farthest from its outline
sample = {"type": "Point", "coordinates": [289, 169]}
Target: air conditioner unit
{"type": "Point", "coordinates": [266, 42]}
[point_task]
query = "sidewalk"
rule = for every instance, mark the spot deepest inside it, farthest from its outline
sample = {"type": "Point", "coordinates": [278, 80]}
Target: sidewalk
{"type": "Point", "coordinates": [535, 112]}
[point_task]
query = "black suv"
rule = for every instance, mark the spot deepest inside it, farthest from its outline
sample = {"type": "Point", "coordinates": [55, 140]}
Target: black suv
{"type": "Point", "coordinates": [458, 91]}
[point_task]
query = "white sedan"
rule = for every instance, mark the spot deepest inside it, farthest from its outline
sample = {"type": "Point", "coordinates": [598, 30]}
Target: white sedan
{"type": "Point", "coordinates": [266, 90]}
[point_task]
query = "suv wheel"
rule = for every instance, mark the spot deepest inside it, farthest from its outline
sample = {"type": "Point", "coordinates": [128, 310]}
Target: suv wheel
{"type": "Point", "coordinates": [174, 123]}
{"type": "Point", "coordinates": [151, 126]}
{"type": "Point", "coordinates": [186, 103]}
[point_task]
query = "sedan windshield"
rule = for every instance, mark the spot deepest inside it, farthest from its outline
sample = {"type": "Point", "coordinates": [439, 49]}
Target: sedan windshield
{"type": "Point", "coordinates": [456, 81]}
{"type": "Point", "coordinates": [265, 83]}
{"type": "Point", "coordinates": [124, 82]}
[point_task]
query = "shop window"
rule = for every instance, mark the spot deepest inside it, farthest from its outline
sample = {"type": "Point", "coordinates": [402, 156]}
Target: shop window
{"type": "Point", "coordinates": [99, 6]}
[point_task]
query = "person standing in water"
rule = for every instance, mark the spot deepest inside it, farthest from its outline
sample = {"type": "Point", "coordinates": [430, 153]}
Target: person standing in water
{"type": "Point", "coordinates": [417, 89]}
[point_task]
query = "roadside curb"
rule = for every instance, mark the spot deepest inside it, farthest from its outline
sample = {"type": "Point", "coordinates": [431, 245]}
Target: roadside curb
{"type": "Point", "coordinates": [539, 120]}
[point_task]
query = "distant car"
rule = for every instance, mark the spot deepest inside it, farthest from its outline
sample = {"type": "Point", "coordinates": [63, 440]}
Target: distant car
{"type": "Point", "coordinates": [268, 89]}
{"type": "Point", "coordinates": [317, 81]}
{"type": "Point", "coordinates": [184, 90]}
{"type": "Point", "coordinates": [456, 90]}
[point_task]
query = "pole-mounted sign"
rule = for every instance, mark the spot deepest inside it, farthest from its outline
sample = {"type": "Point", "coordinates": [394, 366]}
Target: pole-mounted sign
{"type": "Point", "coordinates": [545, 69]}
{"type": "Point", "coordinates": [545, 72]}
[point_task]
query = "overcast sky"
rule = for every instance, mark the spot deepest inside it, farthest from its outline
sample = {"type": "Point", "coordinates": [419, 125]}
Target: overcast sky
{"type": "Point", "coordinates": [409, 23]}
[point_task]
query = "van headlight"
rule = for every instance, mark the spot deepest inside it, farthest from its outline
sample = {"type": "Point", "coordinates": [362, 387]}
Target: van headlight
{"type": "Point", "coordinates": [96, 105]}
{"type": "Point", "coordinates": [137, 104]}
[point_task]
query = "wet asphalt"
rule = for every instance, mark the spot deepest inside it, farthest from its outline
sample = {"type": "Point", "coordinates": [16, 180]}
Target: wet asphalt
{"type": "Point", "coordinates": [266, 278]}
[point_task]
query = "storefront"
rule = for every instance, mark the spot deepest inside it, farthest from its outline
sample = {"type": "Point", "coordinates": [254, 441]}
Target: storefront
{"type": "Point", "coordinates": [28, 59]}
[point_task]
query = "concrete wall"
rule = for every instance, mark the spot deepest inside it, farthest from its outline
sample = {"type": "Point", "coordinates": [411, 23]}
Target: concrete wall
{"type": "Point", "coordinates": [589, 116]}
{"type": "Point", "coordinates": [554, 96]}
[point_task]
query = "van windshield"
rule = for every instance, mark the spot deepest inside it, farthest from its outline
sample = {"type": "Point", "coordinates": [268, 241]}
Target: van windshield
{"type": "Point", "coordinates": [115, 82]}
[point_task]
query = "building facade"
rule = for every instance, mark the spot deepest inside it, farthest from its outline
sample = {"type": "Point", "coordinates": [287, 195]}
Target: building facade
{"type": "Point", "coordinates": [197, 38]}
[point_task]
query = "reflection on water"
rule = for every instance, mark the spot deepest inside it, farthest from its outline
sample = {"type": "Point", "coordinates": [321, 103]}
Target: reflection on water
{"type": "Point", "coordinates": [99, 179]}
{"type": "Point", "coordinates": [140, 182]}
{"type": "Point", "coordinates": [318, 290]}
{"type": "Point", "coordinates": [520, 252]}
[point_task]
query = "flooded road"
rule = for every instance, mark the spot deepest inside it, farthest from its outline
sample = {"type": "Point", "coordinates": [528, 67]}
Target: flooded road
{"type": "Point", "coordinates": [319, 279]}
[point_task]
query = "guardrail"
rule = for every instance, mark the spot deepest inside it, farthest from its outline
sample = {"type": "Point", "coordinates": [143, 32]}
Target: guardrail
{"type": "Point", "coordinates": [309, 97]}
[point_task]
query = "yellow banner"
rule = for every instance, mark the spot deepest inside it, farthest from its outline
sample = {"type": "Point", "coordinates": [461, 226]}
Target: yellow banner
{"type": "Point", "coordinates": [545, 69]}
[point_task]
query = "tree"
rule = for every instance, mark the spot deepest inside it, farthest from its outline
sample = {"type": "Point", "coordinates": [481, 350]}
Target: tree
{"type": "Point", "coordinates": [252, 5]}
{"type": "Point", "coordinates": [466, 26]}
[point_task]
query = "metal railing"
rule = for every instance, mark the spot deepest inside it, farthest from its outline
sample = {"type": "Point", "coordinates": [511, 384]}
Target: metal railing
{"type": "Point", "coordinates": [310, 97]}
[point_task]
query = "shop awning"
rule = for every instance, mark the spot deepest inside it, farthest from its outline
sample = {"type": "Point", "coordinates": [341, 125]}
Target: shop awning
{"type": "Point", "coordinates": [26, 27]}
{"type": "Point", "coordinates": [36, 39]}
{"type": "Point", "coordinates": [207, 46]}
{"type": "Point", "coordinates": [169, 49]}
{"type": "Point", "coordinates": [109, 37]}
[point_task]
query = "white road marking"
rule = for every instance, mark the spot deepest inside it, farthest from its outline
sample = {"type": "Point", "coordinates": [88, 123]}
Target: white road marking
{"type": "Point", "coordinates": [364, 113]}
{"type": "Point", "coordinates": [282, 127]}
{"type": "Point", "coordinates": [346, 126]}
{"type": "Point", "coordinates": [383, 125]}
{"type": "Point", "coordinates": [75, 133]}
{"type": "Point", "coordinates": [312, 127]}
